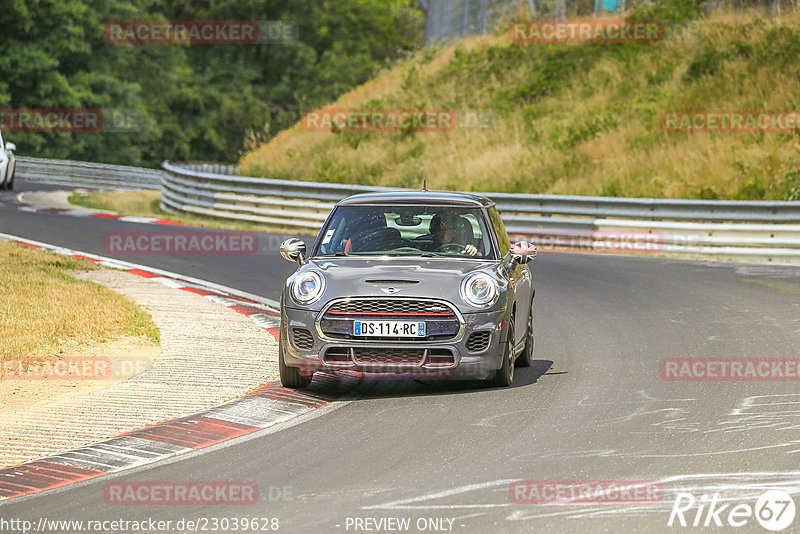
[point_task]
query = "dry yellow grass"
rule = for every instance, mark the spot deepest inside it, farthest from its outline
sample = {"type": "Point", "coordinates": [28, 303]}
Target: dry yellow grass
{"type": "Point", "coordinates": [595, 133]}
{"type": "Point", "coordinates": [44, 311]}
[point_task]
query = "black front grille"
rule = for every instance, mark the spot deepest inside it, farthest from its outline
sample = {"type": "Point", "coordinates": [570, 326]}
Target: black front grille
{"type": "Point", "coordinates": [478, 341]}
{"type": "Point", "coordinates": [440, 358]}
{"type": "Point", "coordinates": [390, 307]}
{"type": "Point", "coordinates": [366, 355]}
{"type": "Point", "coordinates": [337, 356]}
{"type": "Point", "coordinates": [384, 359]}
{"type": "Point", "coordinates": [302, 339]}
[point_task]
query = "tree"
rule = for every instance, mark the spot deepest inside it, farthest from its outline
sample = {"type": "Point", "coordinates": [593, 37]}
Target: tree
{"type": "Point", "coordinates": [197, 102]}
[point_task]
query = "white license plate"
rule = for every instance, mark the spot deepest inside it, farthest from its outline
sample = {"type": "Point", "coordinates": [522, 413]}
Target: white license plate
{"type": "Point", "coordinates": [389, 328]}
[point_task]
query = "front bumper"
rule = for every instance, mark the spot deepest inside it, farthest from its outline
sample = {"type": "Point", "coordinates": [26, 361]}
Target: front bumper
{"type": "Point", "coordinates": [433, 359]}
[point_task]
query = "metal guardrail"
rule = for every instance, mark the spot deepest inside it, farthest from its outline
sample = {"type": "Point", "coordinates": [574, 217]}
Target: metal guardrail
{"type": "Point", "coordinates": [85, 174]}
{"type": "Point", "coordinates": [761, 230]}
{"type": "Point", "coordinates": [757, 231]}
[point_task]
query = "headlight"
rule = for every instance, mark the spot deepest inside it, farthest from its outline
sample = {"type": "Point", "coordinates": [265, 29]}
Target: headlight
{"type": "Point", "coordinates": [479, 289]}
{"type": "Point", "coordinates": [307, 287]}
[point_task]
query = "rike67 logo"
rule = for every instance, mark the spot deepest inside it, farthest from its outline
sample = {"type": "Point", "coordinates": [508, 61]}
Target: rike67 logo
{"type": "Point", "coordinates": [774, 510]}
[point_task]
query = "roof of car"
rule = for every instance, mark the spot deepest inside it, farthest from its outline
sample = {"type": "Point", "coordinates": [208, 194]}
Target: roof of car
{"type": "Point", "coordinates": [417, 197]}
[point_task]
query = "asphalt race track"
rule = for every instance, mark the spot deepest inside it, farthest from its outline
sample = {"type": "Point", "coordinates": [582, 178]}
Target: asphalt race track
{"type": "Point", "coordinates": [592, 408]}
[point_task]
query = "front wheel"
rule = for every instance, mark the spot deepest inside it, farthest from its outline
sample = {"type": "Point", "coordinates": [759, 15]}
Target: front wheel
{"type": "Point", "coordinates": [504, 376]}
{"type": "Point", "coordinates": [526, 358]}
{"type": "Point", "coordinates": [290, 376]}
{"type": "Point", "coordinates": [8, 179]}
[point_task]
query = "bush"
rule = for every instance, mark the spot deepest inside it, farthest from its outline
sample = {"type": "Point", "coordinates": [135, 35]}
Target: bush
{"type": "Point", "coordinates": [791, 185]}
{"type": "Point", "coordinates": [705, 63]}
{"type": "Point", "coordinates": [667, 11]}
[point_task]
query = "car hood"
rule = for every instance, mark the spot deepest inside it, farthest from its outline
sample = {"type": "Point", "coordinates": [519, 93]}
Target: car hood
{"type": "Point", "coordinates": [417, 277]}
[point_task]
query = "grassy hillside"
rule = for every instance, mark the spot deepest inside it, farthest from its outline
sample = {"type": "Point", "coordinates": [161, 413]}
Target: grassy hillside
{"type": "Point", "coordinates": [574, 118]}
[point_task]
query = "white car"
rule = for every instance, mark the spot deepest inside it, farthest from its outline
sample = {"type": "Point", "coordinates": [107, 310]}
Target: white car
{"type": "Point", "coordinates": [7, 164]}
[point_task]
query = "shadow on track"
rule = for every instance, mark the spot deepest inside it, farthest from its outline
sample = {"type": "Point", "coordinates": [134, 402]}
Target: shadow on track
{"type": "Point", "coordinates": [360, 386]}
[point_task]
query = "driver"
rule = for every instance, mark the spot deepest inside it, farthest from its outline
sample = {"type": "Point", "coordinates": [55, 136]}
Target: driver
{"type": "Point", "coordinates": [447, 232]}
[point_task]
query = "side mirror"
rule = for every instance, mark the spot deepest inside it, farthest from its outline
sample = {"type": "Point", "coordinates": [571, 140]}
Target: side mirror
{"type": "Point", "coordinates": [294, 249]}
{"type": "Point", "coordinates": [11, 146]}
{"type": "Point", "coordinates": [523, 252]}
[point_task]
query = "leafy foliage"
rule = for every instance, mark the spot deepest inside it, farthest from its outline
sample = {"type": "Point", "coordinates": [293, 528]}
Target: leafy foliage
{"type": "Point", "coordinates": [202, 102]}
{"type": "Point", "coordinates": [667, 11]}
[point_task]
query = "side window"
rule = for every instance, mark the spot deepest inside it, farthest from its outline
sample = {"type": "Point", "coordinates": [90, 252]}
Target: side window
{"type": "Point", "coordinates": [500, 232]}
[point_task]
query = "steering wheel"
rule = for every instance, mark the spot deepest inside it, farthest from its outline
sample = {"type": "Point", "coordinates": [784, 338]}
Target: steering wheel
{"type": "Point", "coordinates": [450, 247]}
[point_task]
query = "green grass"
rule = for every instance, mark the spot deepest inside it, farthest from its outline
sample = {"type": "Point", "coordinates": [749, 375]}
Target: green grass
{"type": "Point", "coordinates": [575, 118]}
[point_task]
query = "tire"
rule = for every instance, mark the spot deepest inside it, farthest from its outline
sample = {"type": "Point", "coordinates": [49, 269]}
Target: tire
{"type": "Point", "coordinates": [290, 376]}
{"type": "Point", "coordinates": [526, 358]}
{"type": "Point", "coordinates": [7, 183]}
{"type": "Point", "coordinates": [504, 376]}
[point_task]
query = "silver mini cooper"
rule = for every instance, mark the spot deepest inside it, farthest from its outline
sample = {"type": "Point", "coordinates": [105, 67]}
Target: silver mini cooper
{"type": "Point", "coordinates": [408, 284]}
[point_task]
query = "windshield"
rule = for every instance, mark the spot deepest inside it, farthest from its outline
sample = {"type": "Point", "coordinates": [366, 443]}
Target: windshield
{"type": "Point", "coordinates": [446, 231]}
